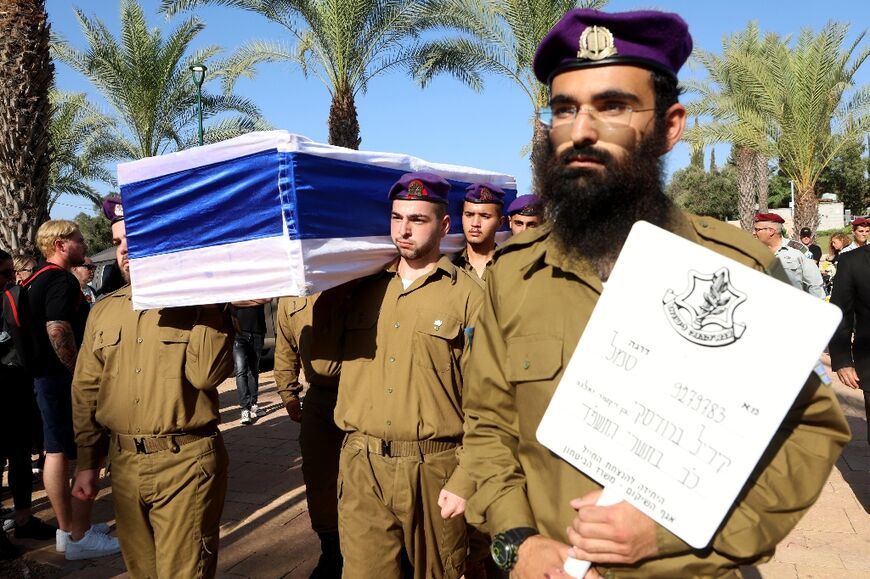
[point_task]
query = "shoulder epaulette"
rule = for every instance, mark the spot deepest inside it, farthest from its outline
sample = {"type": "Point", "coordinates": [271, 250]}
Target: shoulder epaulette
{"type": "Point", "coordinates": [733, 237]}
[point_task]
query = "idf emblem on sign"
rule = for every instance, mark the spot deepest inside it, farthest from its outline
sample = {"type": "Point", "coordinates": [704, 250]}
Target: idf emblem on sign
{"type": "Point", "coordinates": [596, 43]}
{"type": "Point", "coordinates": [704, 312]}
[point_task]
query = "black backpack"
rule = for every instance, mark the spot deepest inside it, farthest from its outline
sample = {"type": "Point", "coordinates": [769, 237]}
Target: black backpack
{"type": "Point", "coordinates": [18, 339]}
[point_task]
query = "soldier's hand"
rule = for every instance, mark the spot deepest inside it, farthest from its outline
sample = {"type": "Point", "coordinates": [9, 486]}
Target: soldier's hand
{"type": "Point", "coordinates": [451, 505]}
{"type": "Point", "coordinates": [849, 377]}
{"type": "Point", "coordinates": [86, 485]}
{"type": "Point", "coordinates": [617, 533]}
{"type": "Point", "coordinates": [540, 556]}
{"type": "Point", "coordinates": [294, 409]}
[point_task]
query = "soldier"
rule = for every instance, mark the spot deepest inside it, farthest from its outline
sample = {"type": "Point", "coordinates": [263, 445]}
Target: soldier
{"type": "Point", "coordinates": [401, 495]}
{"type": "Point", "coordinates": [309, 339]}
{"type": "Point", "coordinates": [796, 259]}
{"type": "Point", "coordinates": [148, 379]}
{"type": "Point", "coordinates": [482, 216]}
{"type": "Point", "coordinates": [525, 212]}
{"type": "Point", "coordinates": [613, 114]}
{"type": "Point", "coordinates": [860, 232]}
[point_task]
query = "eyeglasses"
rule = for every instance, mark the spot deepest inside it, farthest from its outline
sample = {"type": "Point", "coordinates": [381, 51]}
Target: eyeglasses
{"type": "Point", "coordinates": [27, 269]}
{"type": "Point", "coordinates": [757, 229]}
{"type": "Point", "coordinates": [609, 114]}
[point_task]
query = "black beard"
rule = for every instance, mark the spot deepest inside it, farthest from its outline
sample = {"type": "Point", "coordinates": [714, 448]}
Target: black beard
{"type": "Point", "coordinates": [592, 211]}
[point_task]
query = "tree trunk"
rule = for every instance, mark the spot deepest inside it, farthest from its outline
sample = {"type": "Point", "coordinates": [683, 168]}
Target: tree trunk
{"type": "Point", "coordinates": [761, 181]}
{"type": "Point", "coordinates": [343, 122]}
{"type": "Point", "coordinates": [806, 209]}
{"type": "Point", "coordinates": [539, 136]}
{"type": "Point", "coordinates": [745, 194]}
{"type": "Point", "coordinates": [25, 79]}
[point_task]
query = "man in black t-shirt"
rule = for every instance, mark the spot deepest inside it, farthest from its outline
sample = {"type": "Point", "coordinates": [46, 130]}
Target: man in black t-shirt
{"type": "Point", "coordinates": [58, 305]}
{"type": "Point", "coordinates": [246, 355]}
{"type": "Point", "coordinates": [807, 239]}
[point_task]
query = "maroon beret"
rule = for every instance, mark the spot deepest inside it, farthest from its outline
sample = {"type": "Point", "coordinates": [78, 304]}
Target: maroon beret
{"type": "Point", "coordinates": [772, 217]}
{"type": "Point", "coordinates": [585, 38]}
{"type": "Point", "coordinates": [421, 186]}
{"type": "Point", "coordinates": [112, 208]}
{"type": "Point", "coordinates": [859, 221]}
{"type": "Point", "coordinates": [528, 205]}
{"type": "Point", "coordinates": [484, 193]}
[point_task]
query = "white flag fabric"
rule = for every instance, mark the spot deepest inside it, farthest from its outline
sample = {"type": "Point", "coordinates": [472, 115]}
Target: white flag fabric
{"type": "Point", "coordinates": [268, 214]}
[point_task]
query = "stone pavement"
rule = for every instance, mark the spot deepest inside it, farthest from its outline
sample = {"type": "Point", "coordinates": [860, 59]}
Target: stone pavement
{"type": "Point", "coordinates": [266, 534]}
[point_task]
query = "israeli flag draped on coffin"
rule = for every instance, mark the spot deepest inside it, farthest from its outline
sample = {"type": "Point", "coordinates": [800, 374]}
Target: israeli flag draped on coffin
{"type": "Point", "coordinates": [267, 214]}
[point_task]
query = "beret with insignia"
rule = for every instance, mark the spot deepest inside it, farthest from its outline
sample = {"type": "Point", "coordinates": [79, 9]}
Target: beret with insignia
{"type": "Point", "coordinates": [859, 221]}
{"type": "Point", "coordinates": [112, 208]}
{"type": "Point", "coordinates": [484, 193]}
{"type": "Point", "coordinates": [584, 38]}
{"type": "Point", "coordinates": [528, 205]}
{"type": "Point", "coordinates": [421, 186]}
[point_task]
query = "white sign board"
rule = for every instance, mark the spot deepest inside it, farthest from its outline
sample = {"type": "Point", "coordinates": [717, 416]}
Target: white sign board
{"type": "Point", "coordinates": [679, 380]}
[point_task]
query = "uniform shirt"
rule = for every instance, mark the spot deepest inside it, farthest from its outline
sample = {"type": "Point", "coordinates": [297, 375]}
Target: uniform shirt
{"type": "Point", "coordinates": [309, 338]}
{"type": "Point", "coordinates": [539, 299]}
{"type": "Point", "coordinates": [403, 351]}
{"type": "Point", "coordinates": [55, 295]}
{"type": "Point", "coordinates": [850, 247]}
{"type": "Point", "coordinates": [460, 260]}
{"type": "Point", "coordinates": [802, 271]}
{"type": "Point", "coordinates": [151, 372]}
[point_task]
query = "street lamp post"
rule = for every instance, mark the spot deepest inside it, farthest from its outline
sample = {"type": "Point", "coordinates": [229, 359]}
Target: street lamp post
{"type": "Point", "coordinates": [198, 71]}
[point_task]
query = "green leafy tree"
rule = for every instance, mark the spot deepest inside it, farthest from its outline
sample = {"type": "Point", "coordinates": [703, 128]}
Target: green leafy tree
{"type": "Point", "coordinates": [493, 37]}
{"type": "Point", "coordinates": [146, 80]}
{"type": "Point", "coordinates": [25, 113]}
{"type": "Point", "coordinates": [83, 140]}
{"type": "Point", "coordinates": [703, 193]}
{"type": "Point", "coordinates": [344, 43]}
{"type": "Point", "coordinates": [96, 230]}
{"type": "Point", "coordinates": [845, 176]}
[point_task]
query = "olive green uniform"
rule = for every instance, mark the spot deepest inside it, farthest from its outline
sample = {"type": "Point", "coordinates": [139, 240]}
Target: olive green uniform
{"type": "Point", "coordinates": [460, 260]}
{"type": "Point", "coordinates": [539, 300]}
{"type": "Point", "coordinates": [148, 379]}
{"type": "Point", "coordinates": [401, 401]}
{"type": "Point", "coordinates": [309, 338]}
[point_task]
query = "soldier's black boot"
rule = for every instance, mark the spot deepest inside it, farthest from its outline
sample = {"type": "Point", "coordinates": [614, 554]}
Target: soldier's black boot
{"type": "Point", "coordinates": [331, 562]}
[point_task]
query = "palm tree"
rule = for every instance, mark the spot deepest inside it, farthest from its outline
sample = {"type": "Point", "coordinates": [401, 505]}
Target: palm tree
{"type": "Point", "coordinates": [723, 97]}
{"type": "Point", "coordinates": [792, 104]}
{"type": "Point", "coordinates": [345, 43]}
{"type": "Point", "coordinates": [83, 140]}
{"type": "Point", "coordinates": [494, 37]}
{"type": "Point", "coordinates": [146, 80]}
{"type": "Point", "coordinates": [25, 112]}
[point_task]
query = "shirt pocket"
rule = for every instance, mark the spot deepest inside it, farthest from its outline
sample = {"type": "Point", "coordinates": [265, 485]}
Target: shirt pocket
{"type": "Point", "coordinates": [173, 349]}
{"type": "Point", "coordinates": [436, 340]}
{"type": "Point", "coordinates": [360, 329]}
{"type": "Point", "coordinates": [533, 358]}
{"type": "Point", "coordinates": [106, 342]}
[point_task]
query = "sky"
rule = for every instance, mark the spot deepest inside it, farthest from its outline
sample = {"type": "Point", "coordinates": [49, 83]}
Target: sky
{"type": "Point", "coordinates": [447, 122]}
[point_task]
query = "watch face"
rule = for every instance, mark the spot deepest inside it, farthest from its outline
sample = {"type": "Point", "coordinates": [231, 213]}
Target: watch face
{"type": "Point", "coordinates": [501, 552]}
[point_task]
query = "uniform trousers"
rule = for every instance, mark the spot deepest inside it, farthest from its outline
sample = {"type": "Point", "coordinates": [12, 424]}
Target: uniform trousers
{"type": "Point", "coordinates": [16, 397]}
{"type": "Point", "coordinates": [320, 442]}
{"type": "Point", "coordinates": [168, 507]}
{"type": "Point", "coordinates": [388, 508]}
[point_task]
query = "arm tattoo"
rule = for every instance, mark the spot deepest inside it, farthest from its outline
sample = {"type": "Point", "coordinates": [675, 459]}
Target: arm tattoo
{"type": "Point", "coordinates": [62, 339]}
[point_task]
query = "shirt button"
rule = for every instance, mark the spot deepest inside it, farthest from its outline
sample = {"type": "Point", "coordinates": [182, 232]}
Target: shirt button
{"type": "Point", "coordinates": [138, 370]}
{"type": "Point", "coordinates": [389, 422]}
{"type": "Point", "coordinates": [389, 390]}
{"type": "Point", "coordinates": [392, 359]}
{"type": "Point", "coordinates": [396, 325]}
{"type": "Point", "coordinates": [526, 364]}
{"type": "Point", "coordinates": [139, 340]}
{"type": "Point", "coordinates": [136, 402]}
{"type": "Point", "coordinates": [138, 430]}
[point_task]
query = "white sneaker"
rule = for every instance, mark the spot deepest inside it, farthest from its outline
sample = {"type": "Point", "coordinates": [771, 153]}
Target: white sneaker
{"type": "Point", "coordinates": [255, 411]}
{"type": "Point", "coordinates": [246, 417]}
{"type": "Point", "coordinates": [62, 538]}
{"type": "Point", "coordinates": [91, 546]}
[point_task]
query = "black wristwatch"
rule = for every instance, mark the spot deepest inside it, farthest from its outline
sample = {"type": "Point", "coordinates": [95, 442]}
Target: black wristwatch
{"type": "Point", "coordinates": [505, 546]}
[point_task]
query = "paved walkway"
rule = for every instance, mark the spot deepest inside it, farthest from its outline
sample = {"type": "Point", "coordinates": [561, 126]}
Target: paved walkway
{"type": "Point", "coordinates": [266, 533]}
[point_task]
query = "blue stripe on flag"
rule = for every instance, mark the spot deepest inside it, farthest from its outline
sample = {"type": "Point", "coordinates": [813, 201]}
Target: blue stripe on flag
{"type": "Point", "coordinates": [215, 204]}
{"type": "Point", "coordinates": [332, 198]}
